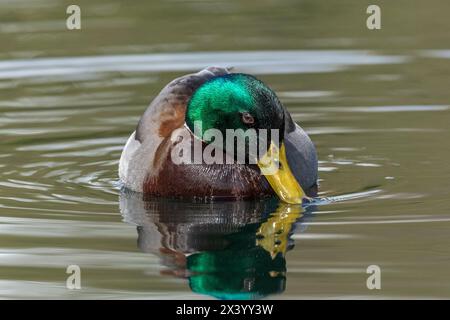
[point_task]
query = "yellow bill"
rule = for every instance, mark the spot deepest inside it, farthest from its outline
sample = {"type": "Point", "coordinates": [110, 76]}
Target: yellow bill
{"type": "Point", "coordinates": [275, 168]}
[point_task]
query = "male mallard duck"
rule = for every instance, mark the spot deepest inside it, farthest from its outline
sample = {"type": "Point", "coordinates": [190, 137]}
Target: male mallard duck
{"type": "Point", "coordinates": [218, 100]}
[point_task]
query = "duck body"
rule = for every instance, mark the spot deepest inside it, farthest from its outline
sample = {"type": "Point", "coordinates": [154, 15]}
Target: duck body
{"type": "Point", "coordinates": [146, 163]}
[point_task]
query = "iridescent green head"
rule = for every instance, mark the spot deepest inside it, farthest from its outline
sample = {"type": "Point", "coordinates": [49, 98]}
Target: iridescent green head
{"type": "Point", "coordinates": [246, 106]}
{"type": "Point", "coordinates": [234, 101]}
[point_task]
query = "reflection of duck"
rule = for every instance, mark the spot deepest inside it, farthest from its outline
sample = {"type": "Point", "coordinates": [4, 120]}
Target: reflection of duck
{"type": "Point", "coordinates": [229, 250]}
{"type": "Point", "coordinates": [218, 100]}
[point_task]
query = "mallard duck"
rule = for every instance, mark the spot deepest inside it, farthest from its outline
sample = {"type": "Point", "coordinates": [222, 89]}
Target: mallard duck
{"type": "Point", "coordinates": [219, 100]}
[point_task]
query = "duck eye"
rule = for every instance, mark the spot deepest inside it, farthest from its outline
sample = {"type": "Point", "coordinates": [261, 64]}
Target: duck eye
{"type": "Point", "coordinates": [247, 118]}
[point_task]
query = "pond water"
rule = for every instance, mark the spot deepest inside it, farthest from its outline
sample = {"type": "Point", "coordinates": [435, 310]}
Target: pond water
{"type": "Point", "coordinates": [375, 103]}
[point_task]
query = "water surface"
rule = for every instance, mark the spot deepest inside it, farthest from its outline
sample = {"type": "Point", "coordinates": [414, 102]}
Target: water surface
{"type": "Point", "coordinates": [376, 104]}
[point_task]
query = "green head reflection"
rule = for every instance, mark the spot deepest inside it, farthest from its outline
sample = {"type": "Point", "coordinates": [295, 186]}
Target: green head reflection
{"type": "Point", "coordinates": [237, 273]}
{"type": "Point", "coordinates": [253, 265]}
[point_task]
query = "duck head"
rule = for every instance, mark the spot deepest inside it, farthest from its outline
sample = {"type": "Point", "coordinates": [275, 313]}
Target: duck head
{"type": "Point", "coordinates": [251, 123]}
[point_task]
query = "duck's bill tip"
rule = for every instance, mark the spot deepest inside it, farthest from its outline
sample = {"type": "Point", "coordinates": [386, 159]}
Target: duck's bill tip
{"type": "Point", "coordinates": [274, 166]}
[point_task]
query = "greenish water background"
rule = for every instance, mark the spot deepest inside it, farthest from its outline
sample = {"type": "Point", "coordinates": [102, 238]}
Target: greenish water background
{"type": "Point", "coordinates": [376, 104]}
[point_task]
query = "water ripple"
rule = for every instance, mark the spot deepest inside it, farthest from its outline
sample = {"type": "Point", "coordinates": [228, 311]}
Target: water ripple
{"type": "Point", "coordinates": [255, 62]}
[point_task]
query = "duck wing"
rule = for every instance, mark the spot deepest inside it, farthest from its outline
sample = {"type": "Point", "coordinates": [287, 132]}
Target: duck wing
{"type": "Point", "coordinates": [164, 114]}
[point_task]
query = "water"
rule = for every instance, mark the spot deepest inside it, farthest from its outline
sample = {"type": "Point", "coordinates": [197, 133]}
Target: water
{"type": "Point", "coordinates": [376, 104]}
